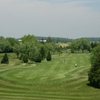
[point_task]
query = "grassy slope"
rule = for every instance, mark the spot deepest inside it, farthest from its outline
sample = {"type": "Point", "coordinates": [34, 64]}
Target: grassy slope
{"type": "Point", "coordinates": [55, 80]}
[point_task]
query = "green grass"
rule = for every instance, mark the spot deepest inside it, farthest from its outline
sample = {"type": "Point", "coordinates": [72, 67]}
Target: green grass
{"type": "Point", "coordinates": [55, 80]}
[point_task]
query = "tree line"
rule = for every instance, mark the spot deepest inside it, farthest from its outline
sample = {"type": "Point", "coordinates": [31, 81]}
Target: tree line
{"type": "Point", "coordinates": [83, 45]}
{"type": "Point", "coordinates": [28, 49]}
{"type": "Point", "coordinates": [8, 45]}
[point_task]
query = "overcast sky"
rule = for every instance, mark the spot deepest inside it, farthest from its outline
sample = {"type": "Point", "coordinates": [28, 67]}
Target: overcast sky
{"type": "Point", "coordinates": [61, 18]}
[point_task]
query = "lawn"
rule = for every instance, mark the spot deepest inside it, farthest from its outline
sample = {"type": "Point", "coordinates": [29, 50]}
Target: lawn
{"type": "Point", "coordinates": [55, 80]}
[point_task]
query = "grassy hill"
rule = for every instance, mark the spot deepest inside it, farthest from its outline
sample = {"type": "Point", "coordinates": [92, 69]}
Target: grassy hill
{"type": "Point", "coordinates": [55, 80]}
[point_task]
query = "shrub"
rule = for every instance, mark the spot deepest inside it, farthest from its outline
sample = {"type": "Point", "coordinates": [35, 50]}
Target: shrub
{"type": "Point", "coordinates": [42, 52]}
{"type": "Point", "coordinates": [48, 56]}
{"type": "Point", "coordinates": [25, 58]}
{"type": "Point", "coordinates": [37, 58]}
{"type": "Point", "coordinates": [5, 59]}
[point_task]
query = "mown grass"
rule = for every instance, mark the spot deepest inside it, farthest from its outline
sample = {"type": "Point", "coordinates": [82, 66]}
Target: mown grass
{"type": "Point", "coordinates": [55, 80]}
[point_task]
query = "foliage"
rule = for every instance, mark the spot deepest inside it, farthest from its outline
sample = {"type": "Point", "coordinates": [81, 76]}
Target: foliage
{"type": "Point", "coordinates": [42, 52]}
{"type": "Point", "coordinates": [28, 49]}
{"type": "Point", "coordinates": [37, 57]}
{"type": "Point", "coordinates": [48, 56]}
{"type": "Point", "coordinates": [81, 45]}
{"type": "Point", "coordinates": [5, 46]}
{"type": "Point", "coordinates": [13, 42]}
{"type": "Point", "coordinates": [50, 47]}
{"type": "Point", "coordinates": [32, 52]}
{"type": "Point", "coordinates": [29, 39]}
{"type": "Point", "coordinates": [24, 58]}
{"type": "Point", "coordinates": [5, 59]}
{"type": "Point", "coordinates": [93, 44]}
{"type": "Point", "coordinates": [94, 74]}
{"type": "Point", "coordinates": [59, 49]}
{"type": "Point", "coordinates": [16, 50]}
{"type": "Point", "coordinates": [24, 53]}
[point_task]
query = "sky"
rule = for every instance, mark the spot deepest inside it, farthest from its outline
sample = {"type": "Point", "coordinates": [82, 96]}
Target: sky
{"type": "Point", "coordinates": [54, 18]}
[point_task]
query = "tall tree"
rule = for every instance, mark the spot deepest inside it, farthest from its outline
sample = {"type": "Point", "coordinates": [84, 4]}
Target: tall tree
{"type": "Point", "coordinates": [94, 74]}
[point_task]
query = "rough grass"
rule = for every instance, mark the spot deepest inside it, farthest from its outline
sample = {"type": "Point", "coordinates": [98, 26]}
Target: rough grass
{"type": "Point", "coordinates": [55, 80]}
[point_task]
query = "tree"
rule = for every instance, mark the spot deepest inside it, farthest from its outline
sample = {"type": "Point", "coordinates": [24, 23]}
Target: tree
{"type": "Point", "coordinates": [94, 73]}
{"type": "Point", "coordinates": [16, 50]}
{"type": "Point", "coordinates": [93, 44]}
{"type": "Point", "coordinates": [48, 56]}
{"type": "Point", "coordinates": [25, 58]}
{"type": "Point", "coordinates": [12, 41]}
{"type": "Point", "coordinates": [24, 53]}
{"type": "Point", "coordinates": [29, 39]}
{"type": "Point", "coordinates": [42, 52]}
{"type": "Point", "coordinates": [31, 50]}
{"type": "Point", "coordinates": [37, 58]}
{"type": "Point", "coordinates": [81, 44]}
{"type": "Point", "coordinates": [5, 46]}
{"type": "Point", "coordinates": [5, 59]}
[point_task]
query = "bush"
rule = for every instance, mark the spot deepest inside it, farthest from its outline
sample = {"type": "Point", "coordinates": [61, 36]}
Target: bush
{"type": "Point", "coordinates": [25, 58]}
{"type": "Point", "coordinates": [48, 56]}
{"type": "Point", "coordinates": [42, 52]}
{"type": "Point", "coordinates": [94, 74]}
{"type": "Point", "coordinates": [37, 58]}
{"type": "Point", "coordinates": [5, 59]}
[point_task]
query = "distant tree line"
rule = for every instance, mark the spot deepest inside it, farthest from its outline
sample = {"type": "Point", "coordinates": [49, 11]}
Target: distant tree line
{"type": "Point", "coordinates": [82, 45]}
{"type": "Point", "coordinates": [8, 45]}
{"type": "Point", "coordinates": [29, 48]}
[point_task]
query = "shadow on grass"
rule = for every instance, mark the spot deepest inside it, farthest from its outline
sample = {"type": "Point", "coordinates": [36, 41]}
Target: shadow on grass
{"type": "Point", "coordinates": [90, 85]}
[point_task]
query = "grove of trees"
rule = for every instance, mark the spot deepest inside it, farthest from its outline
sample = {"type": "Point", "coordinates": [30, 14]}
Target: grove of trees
{"type": "Point", "coordinates": [80, 45]}
{"type": "Point", "coordinates": [30, 49]}
{"type": "Point", "coordinates": [7, 44]}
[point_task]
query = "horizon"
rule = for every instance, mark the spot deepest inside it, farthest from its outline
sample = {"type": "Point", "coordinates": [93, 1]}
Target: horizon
{"type": "Point", "coordinates": [50, 18]}
{"type": "Point", "coordinates": [46, 37]}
